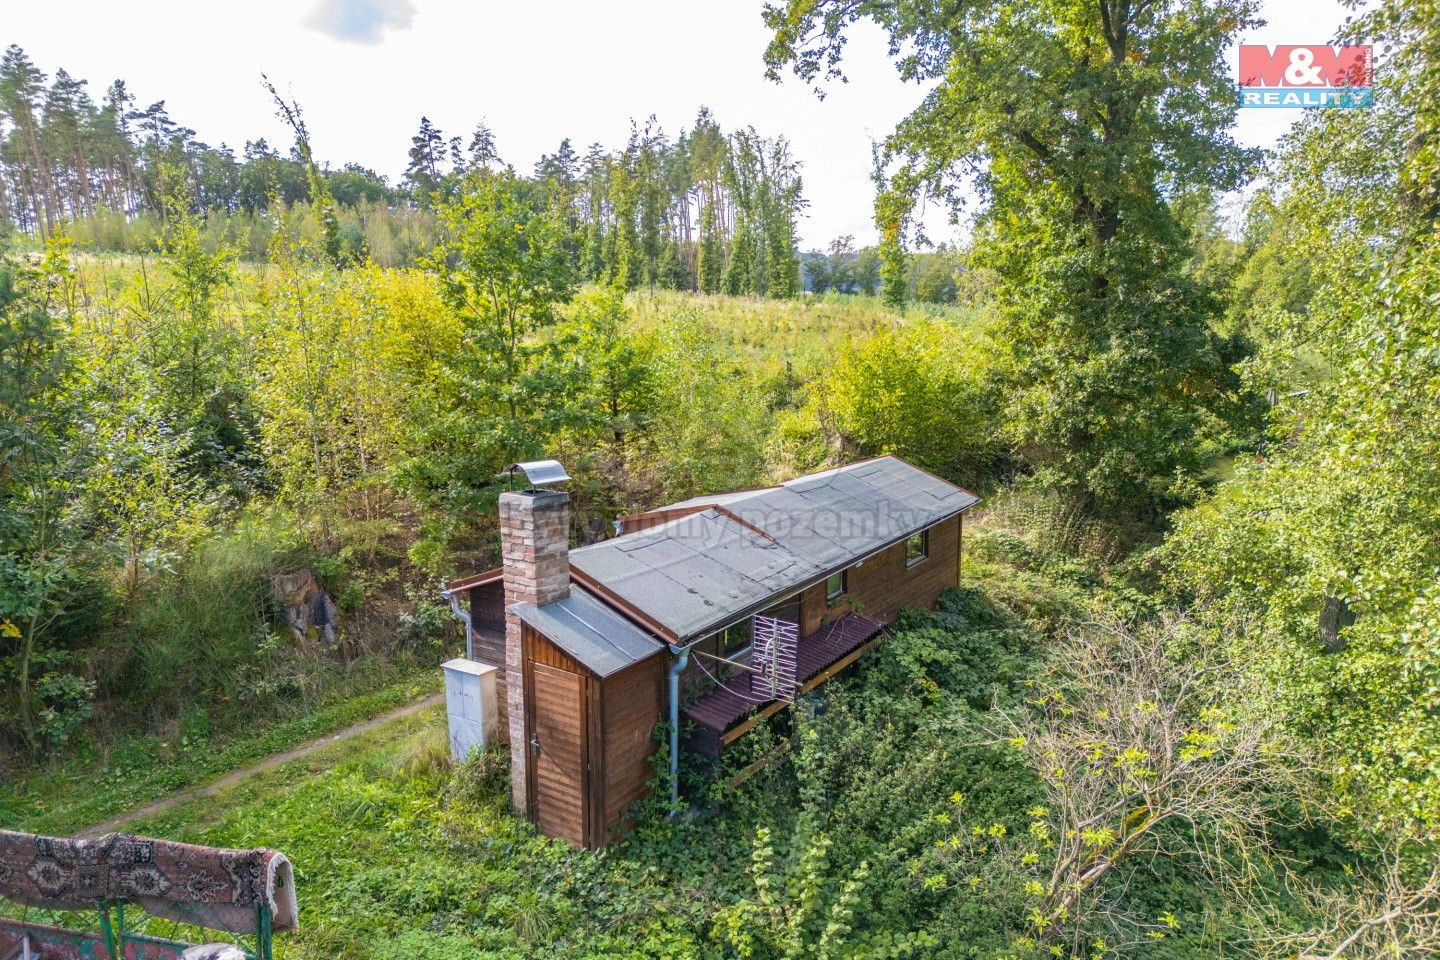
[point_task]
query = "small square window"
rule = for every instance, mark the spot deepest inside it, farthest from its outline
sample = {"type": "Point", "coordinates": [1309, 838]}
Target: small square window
{"type": "Point", "coordinates": [835, 586]}
{"type": "Point", "coordinates": [917, 548]}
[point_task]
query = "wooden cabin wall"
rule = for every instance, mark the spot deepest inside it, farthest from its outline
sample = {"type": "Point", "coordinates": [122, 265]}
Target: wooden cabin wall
{"type": "Point", "coordinates": [632, 703]}
{"type": "Point", "coordinates": [884, 585]}
{"type": "Point", "coordinates": [880, 587]}
{"type": "Point", "coordinates": [487, 624]}
{"type": "Point", "coordinates": [693, 677]}
{"type": "Point", "coordinates": [539, 649]}
{"type": "Point", "coordinates": [617, 734]}
{"type": "Point", "coordinates": [487, 619]}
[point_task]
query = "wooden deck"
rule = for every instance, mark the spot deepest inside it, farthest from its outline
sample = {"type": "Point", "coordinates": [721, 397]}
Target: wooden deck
{"type": "Point", "coordinates": [727, 712]}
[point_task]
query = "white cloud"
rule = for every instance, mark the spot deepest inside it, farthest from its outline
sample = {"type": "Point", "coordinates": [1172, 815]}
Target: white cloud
{"type": "Point", "coordinates": [361, 21]}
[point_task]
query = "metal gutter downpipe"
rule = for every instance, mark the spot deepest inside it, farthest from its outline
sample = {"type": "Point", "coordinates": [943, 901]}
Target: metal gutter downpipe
{"type": "Point", "coordinates": [464, 616]}
{"type": "Point", "coordinates": [676, 668]}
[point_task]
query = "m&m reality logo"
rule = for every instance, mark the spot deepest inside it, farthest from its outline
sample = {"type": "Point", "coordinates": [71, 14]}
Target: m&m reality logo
{"type": "Point", "coordinates": [1306, 76]}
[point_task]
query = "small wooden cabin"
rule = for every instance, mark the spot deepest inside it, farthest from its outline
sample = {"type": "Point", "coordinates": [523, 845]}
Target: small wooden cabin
{"type": "Point", "coordinates": [603, 642]}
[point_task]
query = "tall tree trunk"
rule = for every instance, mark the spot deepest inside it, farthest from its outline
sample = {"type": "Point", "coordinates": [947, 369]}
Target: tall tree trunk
{"type": "Point", "coordinates": [41, 171]}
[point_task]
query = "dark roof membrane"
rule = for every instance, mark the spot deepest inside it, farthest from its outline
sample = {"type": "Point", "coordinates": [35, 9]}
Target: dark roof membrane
{"type": "Point", "coordinates": [698, 573]}
{"type": "Point", "coordinates": [590, 631]}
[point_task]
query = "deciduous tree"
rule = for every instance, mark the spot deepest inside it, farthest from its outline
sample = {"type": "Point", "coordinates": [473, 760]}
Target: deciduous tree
{"type": "Point", "coordinates": [1075, 119]}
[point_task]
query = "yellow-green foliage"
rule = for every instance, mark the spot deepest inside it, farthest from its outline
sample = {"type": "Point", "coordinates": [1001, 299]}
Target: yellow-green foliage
{"type": "Point", "coordinates": [390, 236]}
{"type": "Point", "coordinates": [920, 390]}
{"type": "Point", "coordinates": [339, 359]}
{"type": "Point", "coordinates": [345, 399]}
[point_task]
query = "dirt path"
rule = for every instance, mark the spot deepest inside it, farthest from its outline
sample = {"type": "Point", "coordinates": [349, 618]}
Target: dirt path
{"type": "Point", "coordinates": [269, 763]}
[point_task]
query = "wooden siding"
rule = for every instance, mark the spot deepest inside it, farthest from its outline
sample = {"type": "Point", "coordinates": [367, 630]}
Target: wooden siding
{"type": "Point", "coordinates": [569, 815]}
{"type": "Point", "coordinates": [558, 721]}
{"type": "Point", "coordinates": [539, 649]}
{"type": "Point", "coordinates": [596, 735]}
{"type": "Point", "coordinates": [487, 619]}
{"type": "Point", "coordinates": [487, 624]}
{"type": "Point", "coordinates": [718, 714]}
{"type": "Point", "coordinates": [695, 677]}
{"type": "Point", "coordinates": [631, 704]}
{"type": "Point", "coordinates": [607, 725]}
{"type": "Point", "coordinates": [884, 584]}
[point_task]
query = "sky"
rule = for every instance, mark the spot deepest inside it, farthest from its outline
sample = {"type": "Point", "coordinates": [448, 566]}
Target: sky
{"type": "Point", "coordinates": [365, 71]}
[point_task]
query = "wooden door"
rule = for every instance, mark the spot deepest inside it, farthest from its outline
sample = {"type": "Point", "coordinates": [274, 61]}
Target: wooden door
{"type": "Point", "coordinates": [557, 753]}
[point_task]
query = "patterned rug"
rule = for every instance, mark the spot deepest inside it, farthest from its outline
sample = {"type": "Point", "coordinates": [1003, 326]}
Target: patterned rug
{"type": "Point", "coordinates": [207, 886]}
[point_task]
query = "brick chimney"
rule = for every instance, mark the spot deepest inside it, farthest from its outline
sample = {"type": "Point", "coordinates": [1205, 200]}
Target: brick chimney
{"type": "Point", "coordinates": [535, 547]}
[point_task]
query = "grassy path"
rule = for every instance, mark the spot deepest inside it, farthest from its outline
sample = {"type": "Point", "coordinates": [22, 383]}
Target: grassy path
{"type": "Point", "coordinates": [95, 788]}
{"type": "Point", "coordinates": [269, 763]}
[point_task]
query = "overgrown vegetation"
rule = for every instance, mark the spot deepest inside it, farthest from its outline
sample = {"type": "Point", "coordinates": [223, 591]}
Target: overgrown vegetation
{"type": "Point", "coordinates": [939, 803]}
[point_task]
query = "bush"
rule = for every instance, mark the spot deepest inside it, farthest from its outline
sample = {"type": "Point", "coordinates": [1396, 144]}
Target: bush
{"type": "Point", "coordinates": [201, 633]}
{"type": "Point", "coordinates": [426, 624]}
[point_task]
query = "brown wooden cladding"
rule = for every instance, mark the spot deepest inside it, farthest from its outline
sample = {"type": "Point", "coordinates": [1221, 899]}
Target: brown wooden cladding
{"type": "Point", "coordinates": [596, 735]}
{"type": "Point", "coordinates": [558, 768]}
{"type": "Point", "coordinates": [487, 625]}
{"type": "Point", "coordinates": [610, 725]}
{"type": "Point", "coordinates": [884, 585]}
{"type": "Point", "coordinates": [487, 620]}
{"type": "Point", "coordinates": [631, 704]}
{"type": "Point", "coordinates": [880, 587]}
{"type": "Point", "coordinates": [539, 649]}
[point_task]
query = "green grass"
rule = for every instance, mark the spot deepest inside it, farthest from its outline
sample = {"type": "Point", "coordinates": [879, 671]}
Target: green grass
{"type": "Point", "coordinates": [805, 332]}
{"type": "Point", "coordinates": [397, 856]}
{"type": "Point", "coordinates": [80, 792]}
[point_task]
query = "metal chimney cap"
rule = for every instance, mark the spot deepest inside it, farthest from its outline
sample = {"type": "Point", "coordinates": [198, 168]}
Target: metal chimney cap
{"type": "Point", "coordinates": [538, 472]}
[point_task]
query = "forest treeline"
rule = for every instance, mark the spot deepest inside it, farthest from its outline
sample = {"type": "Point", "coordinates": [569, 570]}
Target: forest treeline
{"type": "Point", "coordinates": [708, 211]}
{"type": "Point", "coordinates": [317, 403]}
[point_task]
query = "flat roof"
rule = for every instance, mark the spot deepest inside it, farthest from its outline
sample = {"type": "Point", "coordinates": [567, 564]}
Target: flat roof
{"type": "Point", "coordinates": [590, 631]}
{"type": "Point", "coordinates": [700, 572]}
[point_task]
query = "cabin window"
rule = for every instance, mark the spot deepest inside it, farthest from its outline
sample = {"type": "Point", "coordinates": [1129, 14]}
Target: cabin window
{"type": "Point", "coordinates": [835, 586]}
{"type": "Point", "coordinates": [735, 638]}
{"type": "Point", "coordinates": [917, 548]}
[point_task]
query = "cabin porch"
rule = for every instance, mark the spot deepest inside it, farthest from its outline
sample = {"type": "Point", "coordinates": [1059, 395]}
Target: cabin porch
{"type": "Point", "coordinates": [728, 711]}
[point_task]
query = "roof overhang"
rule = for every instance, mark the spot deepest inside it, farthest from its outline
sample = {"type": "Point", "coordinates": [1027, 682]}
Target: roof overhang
{"type": "Point", "coordinates": [475, 580]}
{"type": "Point", "coordinates": [587, 628]}
{"type": "Point", "coordinates": [702, 564]}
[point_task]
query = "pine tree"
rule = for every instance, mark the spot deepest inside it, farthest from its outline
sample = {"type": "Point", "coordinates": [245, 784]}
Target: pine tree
{"type": "Point", "coordinates": [21, 88]}
{"type": "Point", "coordinates": [67, 116]}
{"type": "Point", "coordinates": [482, 148]}
{"type": "Point", "coordinates": [427, 153]}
